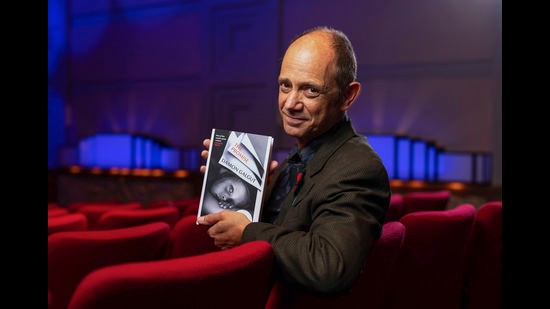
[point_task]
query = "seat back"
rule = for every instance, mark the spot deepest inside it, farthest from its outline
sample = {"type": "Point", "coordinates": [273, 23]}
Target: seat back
{"type": "Point", "coordinates": [425, 200]}
{"type": "Point", "coordinates": [74, 206]}
{"type": "Point", "coordinates": [185, 207]}
{"type": "Point", "coordinates": [394, 208]}
{"type": "Point", "coordinates": [188, 238]}
{"type": "Point", "coordinates": [74, 254]}
{"type": "Point", "coordinates": [430, 269]}
{"type": "Point", "coordinates": [483, 280]}
{"type": "Point", "coordinates": [371, 287]}
{"type": "Point", "coordinates": [94, 211]}
{"type": "Point", "coordinates": [238, 278]}
{"type": "Point", "coordinates": [57, 211]}
{"type": "Point", "coordinates": [68, 222]}
{"type": "Point", "coordinates": [131, 217]}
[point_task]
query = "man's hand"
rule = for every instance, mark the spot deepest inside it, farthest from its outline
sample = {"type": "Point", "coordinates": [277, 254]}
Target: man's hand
{"type": "Point", "coordinates": [226, 227]}
{"type": "Point", "coordinates": [204, 155]}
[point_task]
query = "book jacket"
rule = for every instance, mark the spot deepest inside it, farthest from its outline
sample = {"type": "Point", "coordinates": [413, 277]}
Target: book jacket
{"type": "Point", "coordinates": [236, 173]}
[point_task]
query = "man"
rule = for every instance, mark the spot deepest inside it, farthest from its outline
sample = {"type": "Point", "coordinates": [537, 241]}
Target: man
{"type": "Point", "coordinates": [322, 229]}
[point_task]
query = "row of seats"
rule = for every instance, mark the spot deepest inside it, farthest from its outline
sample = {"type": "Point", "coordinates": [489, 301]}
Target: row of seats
{"type": "Point", "coordinates": [171, 210]}
{"type": "Point", "coordinates": [101, 216]}
{"type": "Point", "coordinates": [402, 204]}
{"type": "Point", "coordinates": [426, 259]}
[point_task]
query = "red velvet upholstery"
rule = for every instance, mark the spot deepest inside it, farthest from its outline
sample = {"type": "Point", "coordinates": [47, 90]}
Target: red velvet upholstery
{"type": "Point", "coordinates": [395, 207]}
{"type": "Point", "coordinates": [187, 238]}
{"type": "Point", "coordinates": [72, 255]}
{"type": "Point", "coordinates": [483, 282]}
{"type": "Point", "coordinates": [185, 207]}
{"type": "Point", "coordinates": [94, 211]}
{"type": "Point", "coordinates": [370, 289]}
{"type": "Point", "coordinates": [234, 278]}
{"type": "Point", "coordinates": [57, 211]}
{"type": "Point", "coordinates": [131, 217]}
{"type": "Point", "coordinates": [430, 269]}
{"type": "Point", "coordinates": [74, 206]}
{"type": "Point", "coordinates": [68, 222]}
{"type": "Point", "coordinates": [425, 200]}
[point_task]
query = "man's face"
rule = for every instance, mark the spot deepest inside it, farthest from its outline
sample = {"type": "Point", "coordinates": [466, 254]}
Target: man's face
{"type": "Point", "coordinates": [307, 89]}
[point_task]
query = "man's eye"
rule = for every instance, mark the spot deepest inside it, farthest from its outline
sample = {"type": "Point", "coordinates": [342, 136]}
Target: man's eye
{"type": "Point", "coordinates": [312, 92]}
{"type": "Point", "coordinates": [284, 87]}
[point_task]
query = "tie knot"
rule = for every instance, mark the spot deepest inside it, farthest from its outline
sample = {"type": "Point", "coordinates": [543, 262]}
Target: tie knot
{"type": "Point", "coordinates": [295, 159]}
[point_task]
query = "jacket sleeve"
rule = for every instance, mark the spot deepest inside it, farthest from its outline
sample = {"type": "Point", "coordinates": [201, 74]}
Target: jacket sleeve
{"type": "Point", "coordinates": [321, 243]}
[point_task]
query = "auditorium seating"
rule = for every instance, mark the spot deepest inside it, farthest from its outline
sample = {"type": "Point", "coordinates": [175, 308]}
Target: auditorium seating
{"type": "Point", "coordinates": [394, 208]}
{"type": "Point", "coordinates": [431, 265]}
{"type": "Point", "coordinates": [189, 206]}
{"type": "Point", "coordinates": [94, 211]}
{"type": "Point", "coordinates": [74, 206]}
{"type": "Point", "coordinates": [68, 222]}
{"type": "Point", "coordinates": [187, 238]}
{"type": "Point", "coordinates": [233, 278]}
{"type": "Point", "coordinates": [445, 258]}
{"type": "Point", "coordinates": [120, 218]}
{"type": "Point", "coordinates": [483, 279]}
{"type": "Point", "coordinates": [74, 254]}
{"type": "Point", "coordinates": [425, 200]}
{"type": "Point", "coordinates": [57, 211]}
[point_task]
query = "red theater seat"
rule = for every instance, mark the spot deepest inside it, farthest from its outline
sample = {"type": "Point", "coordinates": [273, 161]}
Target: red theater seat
{"type": "Point", "coordinates": [425, 200]}
{"type": "Point", "coordinates": [185, 207]}
{"type": "Point", "coordinates": [59, 211]}
{"type": "Point", "coordinates": [233, 278]}
{"type": "Point", "coordinates": [483, 281]}
{"type": "Point", "coordinates": [131, 217]}
{"type": "Point", "coordinates": [74, 206]}
{"type": "Point", "coordinates": [430, 269]}
{"type": "Point", "coordinates": [395, 207]}
{"type": "Point", "coordinates": [94, 211]}
{"type": "Point", "coordinates": [68, 222]}
{"type": "Point", "coordinates": [72, 255]}
{"type": "Point", "coordinates": [187, 238]}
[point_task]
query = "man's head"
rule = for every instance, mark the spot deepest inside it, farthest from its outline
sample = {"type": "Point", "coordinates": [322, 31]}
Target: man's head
{"type": "Point", "coordinates": [316, 83]}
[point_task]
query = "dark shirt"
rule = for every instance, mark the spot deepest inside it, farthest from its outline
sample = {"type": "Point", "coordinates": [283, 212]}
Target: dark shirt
{"type": "Point", "coordinates": [298, 159]}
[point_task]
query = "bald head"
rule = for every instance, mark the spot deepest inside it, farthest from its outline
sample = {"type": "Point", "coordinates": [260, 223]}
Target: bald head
{"type": "Point", "coordinates": [315, 90]}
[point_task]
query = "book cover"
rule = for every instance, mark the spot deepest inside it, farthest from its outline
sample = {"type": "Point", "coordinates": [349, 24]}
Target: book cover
{"type": "Point", "coordinates": [236, 173]}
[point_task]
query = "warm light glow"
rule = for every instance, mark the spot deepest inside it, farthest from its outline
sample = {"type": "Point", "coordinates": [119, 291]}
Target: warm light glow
{"type": "Point", "coordinates": [75, 169]}
{"type": "Point", "coordinates": [397, 183]}
{"type": "Point", "coordinates": [181, 173]}
{"type": "Point", "coordinates": [416, 184]}
{"type": "Point", "coordinates": [157, 172]}
{"type": "Point", "coordinates": [141, 172]}
{"type": "Point", "coordinates": [456, 185]}
{"type": "Point", "coordinates": [95, 170]}
{"type": "Point", "coordinates": [124, 171]}
{"type": "Point", "coordinates": [114, 170]}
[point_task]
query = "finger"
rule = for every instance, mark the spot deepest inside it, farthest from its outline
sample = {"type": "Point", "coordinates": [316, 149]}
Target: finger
{"type": "Point", "coordinates": [204, 154]}
{"type": "Point", "coordinates": [273, 165]}
{"type": "Point", "coordinates": [203, 168]}
{"type": "Point", "coordinates": [202, 220]}
{"type": "Point", "coordinates": [206, 143]}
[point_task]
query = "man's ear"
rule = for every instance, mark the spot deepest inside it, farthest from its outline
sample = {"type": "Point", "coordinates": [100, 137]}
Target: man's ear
{"type": "Point", "coordinates": [352, 92]}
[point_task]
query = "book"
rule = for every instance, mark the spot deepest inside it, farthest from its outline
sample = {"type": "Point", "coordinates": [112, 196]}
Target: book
{"type": "Point", "coordinates": [236, 173]}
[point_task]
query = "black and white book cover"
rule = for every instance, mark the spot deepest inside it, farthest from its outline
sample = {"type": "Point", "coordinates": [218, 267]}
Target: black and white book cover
{"type": "Point", "coordinates": [236, 173]}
